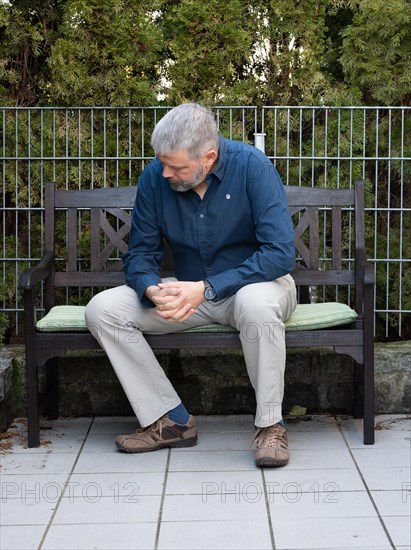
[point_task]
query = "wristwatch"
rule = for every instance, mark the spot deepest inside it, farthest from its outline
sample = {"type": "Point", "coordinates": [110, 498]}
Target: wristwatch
{"type": "Point", "coordinates": [209, 293]}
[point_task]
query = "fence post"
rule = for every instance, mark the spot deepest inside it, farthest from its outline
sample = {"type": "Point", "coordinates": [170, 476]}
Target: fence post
{"type": "Point", "coordinates": [259, 141]}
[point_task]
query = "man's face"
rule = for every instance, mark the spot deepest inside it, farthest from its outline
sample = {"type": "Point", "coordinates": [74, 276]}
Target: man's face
{"type": "Point", "coordinates": [182, 172]}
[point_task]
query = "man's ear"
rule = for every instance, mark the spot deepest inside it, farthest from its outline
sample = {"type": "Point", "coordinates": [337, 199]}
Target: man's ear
{"type": "Point", "coordinates": [211, 156]}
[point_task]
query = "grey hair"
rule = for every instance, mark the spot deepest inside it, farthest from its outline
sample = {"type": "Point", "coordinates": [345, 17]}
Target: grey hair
{"type": "Point", "coordinates": [189, 127]}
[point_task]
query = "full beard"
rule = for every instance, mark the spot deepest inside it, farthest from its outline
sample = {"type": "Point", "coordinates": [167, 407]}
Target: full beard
{"type": "Point", "coordinates": [183, 185]}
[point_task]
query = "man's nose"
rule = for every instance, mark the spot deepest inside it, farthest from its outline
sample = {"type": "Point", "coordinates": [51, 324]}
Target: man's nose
{"type": "Point", "coordinates": [167, 172]}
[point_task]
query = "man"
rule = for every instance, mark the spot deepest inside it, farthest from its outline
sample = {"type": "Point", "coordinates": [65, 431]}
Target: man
{"type": "Point", "coordinates": [221, 206]}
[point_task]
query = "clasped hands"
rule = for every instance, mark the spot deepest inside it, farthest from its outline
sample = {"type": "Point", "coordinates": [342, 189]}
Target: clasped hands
{"type": "Point", "coordinates": [176, 300]}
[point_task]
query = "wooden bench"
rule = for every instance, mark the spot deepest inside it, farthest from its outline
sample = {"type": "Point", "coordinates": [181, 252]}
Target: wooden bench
{"type": "Point", "coordinates": [329, 227]}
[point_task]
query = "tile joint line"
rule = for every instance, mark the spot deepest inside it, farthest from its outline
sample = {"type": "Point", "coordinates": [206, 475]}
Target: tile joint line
{"type": "Point", "coordinates": [163, 495]}
{"type": "Point", "coordinates": [65, 486]}
{"type": "Point", "coordinates": [367, 489]}
{"type": "Point", "coordinates": [267, 505]}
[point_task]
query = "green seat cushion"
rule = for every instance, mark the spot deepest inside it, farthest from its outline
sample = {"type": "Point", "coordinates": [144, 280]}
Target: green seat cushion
{"type": "Point", "coordinates": [63, 318]}
{"type": "Point", "coordinates": [317, 316]}
{"type": "Point", "coordinates": [305, 317]}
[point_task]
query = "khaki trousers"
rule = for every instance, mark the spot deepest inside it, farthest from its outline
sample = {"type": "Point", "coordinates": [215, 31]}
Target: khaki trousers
{"type": "Point", "coordinates": [258, 311]}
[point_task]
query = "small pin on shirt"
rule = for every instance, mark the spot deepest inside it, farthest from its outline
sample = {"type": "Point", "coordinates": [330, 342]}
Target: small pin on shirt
{"type": "Point", "coordinates": [228, 197]}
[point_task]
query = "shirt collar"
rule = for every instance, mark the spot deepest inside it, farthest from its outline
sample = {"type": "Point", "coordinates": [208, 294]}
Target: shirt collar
{"type": "Point", "coordinates": [221, 162]}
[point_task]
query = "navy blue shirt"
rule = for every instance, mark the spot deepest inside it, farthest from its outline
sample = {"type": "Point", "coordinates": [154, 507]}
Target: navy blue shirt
{"type": "Point", "coordinates": [239, 233]}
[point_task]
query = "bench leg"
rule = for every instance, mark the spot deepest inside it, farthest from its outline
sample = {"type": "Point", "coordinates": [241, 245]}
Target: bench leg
{"type": "Point", "coordinates": [364, 398]}
{"type": "Point", "coordinates": [358, 387]}
{"type": "Point", "coordinates": [52, 390]}
{"type": "Point", "coordinates": [368, 368]}
{"type": "Point", "coordinates": [33, 416]}
{"type": "Point", "coordinates": [369, 400]}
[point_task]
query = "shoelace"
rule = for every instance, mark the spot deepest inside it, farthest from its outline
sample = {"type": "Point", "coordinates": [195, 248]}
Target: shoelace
{"type": "Point", "coordinates": [268, 437]}
{"type": "Point", "coordinates": [156, 427]}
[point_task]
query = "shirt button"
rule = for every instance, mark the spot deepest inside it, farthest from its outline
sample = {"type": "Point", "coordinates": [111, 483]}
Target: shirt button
{"type": "Point", "coordinates": [201, 215]}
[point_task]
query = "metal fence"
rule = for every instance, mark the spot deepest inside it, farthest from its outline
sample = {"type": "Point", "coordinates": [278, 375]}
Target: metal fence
{"type": "Point", "coordinates": [321, 146]}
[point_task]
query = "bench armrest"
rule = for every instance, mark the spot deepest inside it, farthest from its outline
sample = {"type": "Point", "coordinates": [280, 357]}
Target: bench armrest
{"type": "Point", "coordinates": [34, 275]}
{"type": "Point", "coordinates": [366, 274]}
{"type": "Point", "coordinates": [364, 288]}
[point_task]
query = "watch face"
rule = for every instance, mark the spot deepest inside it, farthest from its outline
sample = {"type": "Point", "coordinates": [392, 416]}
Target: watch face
{"type": "Point", "coordinates": [210, 293]}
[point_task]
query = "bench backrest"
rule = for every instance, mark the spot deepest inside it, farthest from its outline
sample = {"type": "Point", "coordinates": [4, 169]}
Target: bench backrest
{"type": "Point", "coordinates": [98, 221]}
{"type": "Point", "coordinates": [97, 224]}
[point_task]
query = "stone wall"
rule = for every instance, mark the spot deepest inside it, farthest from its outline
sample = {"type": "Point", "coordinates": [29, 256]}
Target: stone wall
{"type": "Point", "coordinates": [214, 382]}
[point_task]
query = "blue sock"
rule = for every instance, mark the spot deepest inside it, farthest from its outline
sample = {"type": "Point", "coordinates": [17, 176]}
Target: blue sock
{"type": "Point", "coordinates": [179, 414]}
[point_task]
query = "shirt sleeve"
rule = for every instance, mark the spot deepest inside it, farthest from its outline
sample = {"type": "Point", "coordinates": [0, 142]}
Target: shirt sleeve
{"type": "Point", "coordinates": [142, 261]}
{"type": "Point", "coordinates": [274, 232]}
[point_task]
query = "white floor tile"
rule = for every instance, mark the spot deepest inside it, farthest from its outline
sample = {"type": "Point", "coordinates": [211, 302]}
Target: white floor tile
{"type": "Point", "coordinates": [21, 537]}
{"type": "Point", "coordinates": [45, 487]}
{"type": "Point", "coordinates": [382, 424]}
{"type": "Point", "coordinates": [62, 425]}
{"type": "Point", "coordinates": [330, 504]}
{"type": "Point", "coordinates": [100, 443]}
{"type": "Point", "coordinates": [66, 426]}
{"type": "Point", "coordinates": [211, 441]}
{"type": "Point", "coordinates": [384, 438]}
{"type": "Point", "coordinates": [222, 507]}
{"type": "Point", "coordinates": [280, 480]}
{"type": "Point", "coordinates": [93, 508]}
{"type": "Point", "coordinates": [308, 459]}
{"type": "Point", "coordinates": [314, 423]}
{"type": "Point", "coordinates": [118, 484]}
{"type": "Point", "coordinates": [393, 503]}
{"type": "Point", "coordinates": [399, 529]}
{"type": "Point", "coordinates": [225, 424]}
{"type": "Point", "coordinates": [53, 443]}
{"type": "Point", "coordinates": [221, 535]}
{"type": "Point", "coordinates": [119, 462]}
{"type": "Point", "coordinates": [114, 425]}
{"type": "Point", "coordinates": [186, 461]}
{"type": "Point", "coordinates": [43, 463]}
{"type": "Point", "coordinates": [316, 440]}
{"type": "Point", "coordinates": [30, 511]}
{"type": "Point", "coordinates": [127, 536]}
{"type": "Point", "coordinates": [392, 421]}
{"type": "Point", "coordinates": [384, 479]}
{"type": "Point", "coordinates": [198, 483]}
{"type": "Point", "coordinates": [381, 458]}
{"type": "Point", "coordinates": [325, 533]}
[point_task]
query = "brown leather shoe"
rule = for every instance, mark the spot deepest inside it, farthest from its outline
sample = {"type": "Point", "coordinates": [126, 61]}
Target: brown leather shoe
{"type": "Point", "coordinates": [271, 446]}
{"type": "Point", "coordinates": [162, 433]}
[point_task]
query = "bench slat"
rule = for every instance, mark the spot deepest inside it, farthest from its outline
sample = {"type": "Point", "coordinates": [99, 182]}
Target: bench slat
{"type": "Point", "coordinates": [89, 278]}
{"type": "Point", "coordinates": [121, 197]}
{"type": "Point", "coordinates": [329, 277]}
{"type": "Point", "coordinates": [312, 196]}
